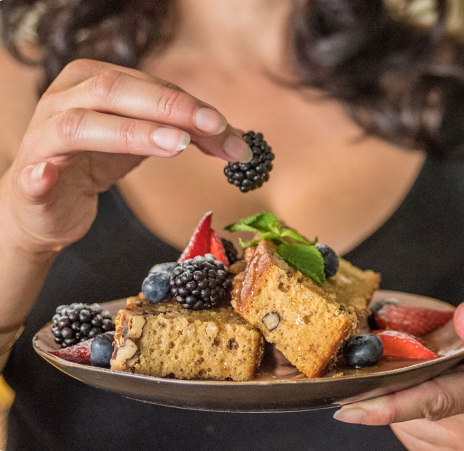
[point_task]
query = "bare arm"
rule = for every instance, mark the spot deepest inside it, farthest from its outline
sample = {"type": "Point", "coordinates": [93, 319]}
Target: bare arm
{"type": "Point", "coordinates": [95, 123]}
{"type": "Point", "coordinates": [17, 103]}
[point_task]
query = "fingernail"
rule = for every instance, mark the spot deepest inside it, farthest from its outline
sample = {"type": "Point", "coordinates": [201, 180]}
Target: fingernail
{"type": "Point", "coordinates": [238, 149]}
{"type": "Point", "coordinates": [171, 139]}
{"type": "Point", "coordinates": [354, 416]}
{"type": "Point", "coordinates": [210, 121]}
{"type": "Point", "coordinates": [38, 171]}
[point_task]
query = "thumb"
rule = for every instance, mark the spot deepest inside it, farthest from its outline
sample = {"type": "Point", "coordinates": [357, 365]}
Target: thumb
{"type": "Point", "coordinates": [37, 180]}
{"type": "Point", "coordinates": [436, 399]}
{"type": "Point", "coordinates": [459, 320]}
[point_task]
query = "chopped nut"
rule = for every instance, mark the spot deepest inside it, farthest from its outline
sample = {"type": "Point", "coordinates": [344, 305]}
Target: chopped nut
{"type": "Point", "coordinates": [271, 320]}
{"type": "Point", "coordinates": [137, 323]}
{"type": "Point", "coordinates": [212, 330]}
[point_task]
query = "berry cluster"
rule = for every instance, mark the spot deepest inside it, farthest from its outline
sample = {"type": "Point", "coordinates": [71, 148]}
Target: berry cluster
{"type": "Point", "coordinates": [79, 322]}
{"type": "Point", "coordinates": [249, 176]}
{"type": "Point", "coordinates": [201, 283]}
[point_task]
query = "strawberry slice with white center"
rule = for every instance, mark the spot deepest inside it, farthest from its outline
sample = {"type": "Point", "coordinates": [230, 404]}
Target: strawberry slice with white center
{"type": "Point", "coordinates": [217, 249]}
{"type": "Point", "coordinates": [78, 353]}
{"type": "Point", "coordinates": [200, 243]}
{"type": "Point", "coordinates": [412, 320]}
{"type": "Point", "coordinates": [403, 345]}
{"type": "Point", "coordinates": [205, 241]}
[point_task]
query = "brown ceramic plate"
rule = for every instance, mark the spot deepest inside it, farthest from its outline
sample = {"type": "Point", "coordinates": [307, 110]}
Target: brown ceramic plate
{"type": "Point", "coordinates": [279, 387]}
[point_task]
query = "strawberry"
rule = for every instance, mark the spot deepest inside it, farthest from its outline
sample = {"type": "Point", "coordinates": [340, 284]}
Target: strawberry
{"type": "Point", "coordinates": [78, 353]}
{"type": "Point", "coordinates": [217, 248]}
{"type": "Point", "coordinates": [200, 243]}
{"type": "Point", "coordinates": [205, 241]}
{"type": "Point", "coordinates": [412, 320]}
{"type": "Point", "coordinates": [402, 345]}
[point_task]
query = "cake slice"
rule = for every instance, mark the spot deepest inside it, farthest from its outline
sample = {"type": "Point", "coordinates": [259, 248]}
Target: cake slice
{"type": "Point", "coordinates": [308, 323]}
{"type": "Point", "coordinates": [163, 339]}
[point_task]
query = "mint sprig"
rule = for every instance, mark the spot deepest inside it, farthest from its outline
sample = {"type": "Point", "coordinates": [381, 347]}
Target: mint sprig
{"type": "Point", "coordinates": [294, 248]}
{"type": "Point", "coordinates": [307, 259]}
{"type": "Point", "coordinates": [259, 223]}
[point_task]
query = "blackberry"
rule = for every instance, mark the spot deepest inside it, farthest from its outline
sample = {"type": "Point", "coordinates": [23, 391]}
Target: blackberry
{"type": "Point", "coordinates": [249, 176]}
{"type": "Point", "coordinates": [201, 283]}
{"type": "Point", "coordinates": [231, 252]}
{"type": "Point", "coordinates": [79, 322]}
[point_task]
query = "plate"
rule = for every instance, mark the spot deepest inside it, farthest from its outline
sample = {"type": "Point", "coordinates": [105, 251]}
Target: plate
{"type": "Point", "coordinates": [279, 387]}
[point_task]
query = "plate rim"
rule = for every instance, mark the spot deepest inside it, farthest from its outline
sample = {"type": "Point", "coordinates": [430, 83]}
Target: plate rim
{"type": "Point", "coordinates": [58, 361]}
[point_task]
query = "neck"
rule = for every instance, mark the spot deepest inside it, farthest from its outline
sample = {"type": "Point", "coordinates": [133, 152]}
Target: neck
{"type": "Point", "coordinates": [234, 29]}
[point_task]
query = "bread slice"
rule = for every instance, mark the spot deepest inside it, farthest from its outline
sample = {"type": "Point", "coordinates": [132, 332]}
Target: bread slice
{"type": "Point", "coordinates": [308, 323]}
{"type": "Point", "coordinates": [164, 339]}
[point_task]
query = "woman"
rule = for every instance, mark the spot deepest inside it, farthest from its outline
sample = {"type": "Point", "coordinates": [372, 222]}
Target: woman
{"type": "Point", "coordinates": [82, 220]}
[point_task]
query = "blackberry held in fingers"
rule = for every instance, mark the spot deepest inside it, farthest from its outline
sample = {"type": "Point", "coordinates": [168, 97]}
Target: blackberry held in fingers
{"type": "Point", "coordinates": [79, 322]}
{"type": "Point", "coordinates": [201, 283]}
{"type": "Point", "coordinates": [249, 176]}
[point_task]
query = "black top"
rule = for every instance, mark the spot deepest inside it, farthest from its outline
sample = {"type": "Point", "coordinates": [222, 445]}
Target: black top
{"type": "Point", "coordinates": [420, 249]}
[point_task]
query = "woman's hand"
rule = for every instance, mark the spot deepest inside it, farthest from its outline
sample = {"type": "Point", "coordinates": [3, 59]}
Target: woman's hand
{"type": "Point", "coordinates": [94, 124]}
{"type": "Point", "coordinates": [429, 416]}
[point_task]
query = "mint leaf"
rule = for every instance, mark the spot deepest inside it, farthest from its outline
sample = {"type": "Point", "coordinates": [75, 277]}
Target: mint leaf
{"type": "Point", "coordinates": [262, 223]}
{"type": "Point", "coordinates": [307, 259]}
{"type": "Point", "coordinates": [263, 236]}
{"type": "Point", "coordinates": [290, 233]}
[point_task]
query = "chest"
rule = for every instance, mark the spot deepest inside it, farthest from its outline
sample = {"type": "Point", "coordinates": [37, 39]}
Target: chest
{"type": "Point", "coordinates": [328, 180]}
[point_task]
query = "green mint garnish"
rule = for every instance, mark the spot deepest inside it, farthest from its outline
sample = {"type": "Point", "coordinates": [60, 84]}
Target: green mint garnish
{"type": "Point", "coordinates": [307, 259]}
{"type": "Point", "coordinates": [259, 223]}
{"type": "Point", "coordinates": [294, 248]}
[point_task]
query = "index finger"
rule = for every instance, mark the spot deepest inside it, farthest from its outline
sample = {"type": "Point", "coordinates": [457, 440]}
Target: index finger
{"type": "Point", "coordinates": [80, 70]}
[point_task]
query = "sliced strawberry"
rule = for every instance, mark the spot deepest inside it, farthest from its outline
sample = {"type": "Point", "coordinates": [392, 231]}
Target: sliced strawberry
{"type": "Point", "coordinates": [217, 248]}
{"type": "Point", "coordinates": [78, 353]}
{"type": "Point", "coordinates": [402, 345]}
{"type": "Point", "coordinates": [200, 242]}
{"type": "Point", "coordinates": [412, 320]}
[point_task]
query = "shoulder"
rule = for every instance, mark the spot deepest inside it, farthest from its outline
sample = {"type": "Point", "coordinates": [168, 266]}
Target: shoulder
{"type": "Point", "coordinates": [18, 99]}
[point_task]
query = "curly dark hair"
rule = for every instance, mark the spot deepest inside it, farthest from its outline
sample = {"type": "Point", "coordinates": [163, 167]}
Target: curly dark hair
{"type": "Point", "coordinates": [400, 81]}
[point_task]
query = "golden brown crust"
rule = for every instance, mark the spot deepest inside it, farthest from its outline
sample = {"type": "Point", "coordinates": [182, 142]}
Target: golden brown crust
{"type": "Point", "coordinates": [312, 321]}
{"type": "Point", "coordinates": [166, 340]}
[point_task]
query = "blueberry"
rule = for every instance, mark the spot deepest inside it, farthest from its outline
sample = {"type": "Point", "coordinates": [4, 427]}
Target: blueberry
{"type": "Point", "coordinates": [330, 259]}
{"type": "Point", "coordinates": [374, 308]}
{"type": "Point", "coordinates": [363, 351]}
{"type": "Point", "coordinates": [101, 350]}
{"type": "Point", "coordinates": [156, 286]}
{"type": "Point", "coordinates": [163, 267]}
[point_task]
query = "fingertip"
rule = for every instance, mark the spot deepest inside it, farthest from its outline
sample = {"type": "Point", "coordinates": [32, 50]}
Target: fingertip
{"type": "Point", "coordinates": [37, 180]}
{"type": "Point", "coordinates": [352, 415]}
{"type": "Point", "coordinates": [458, 320]}
{"type": "Point", "coordinates": [237, 149]}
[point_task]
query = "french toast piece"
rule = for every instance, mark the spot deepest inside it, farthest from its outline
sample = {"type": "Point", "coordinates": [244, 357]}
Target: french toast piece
{"type": "Point", "coordinates": [164, 339]}
{"type": "Point", "coordinates": [307, 323]}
